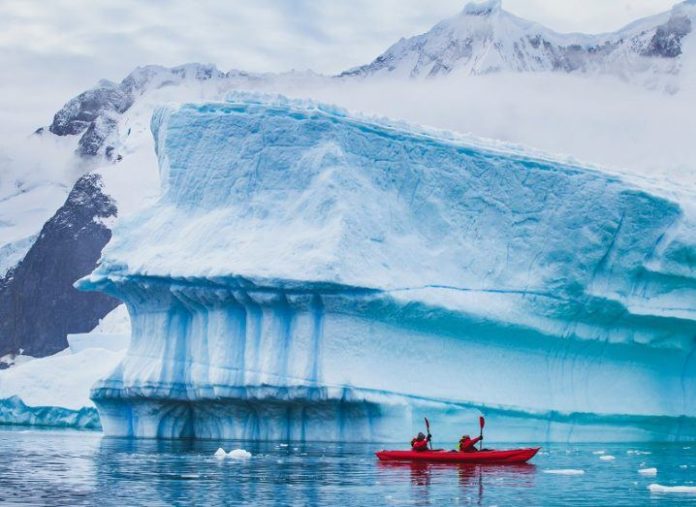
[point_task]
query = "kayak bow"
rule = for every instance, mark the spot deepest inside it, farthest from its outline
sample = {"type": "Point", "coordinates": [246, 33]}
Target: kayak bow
{"type": "Point", "coordinates": [441, 456]}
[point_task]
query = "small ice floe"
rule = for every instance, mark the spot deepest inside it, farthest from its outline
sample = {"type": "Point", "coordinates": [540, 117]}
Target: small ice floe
{"type": "Point", "coordinates": [597, 453]}
{"type": "Point", "coordinates": [683, 466]}
{"type": "Point", "coordinates": [648, 471]}
{"type": "Point", "coordinates": [638, 453]}
{"type": "Point", "coordinates": [220, 453]}
{"type": "Point", "coordinates": [607, 457]}
{"type": "Point", "coordinates": [565, 471]}
{"type": "Point", "coordinates": [239, 454]}
{"type": "Point", "coordinates": [282, 445]}
{"type": "Point", "coordinates": [659, 488]}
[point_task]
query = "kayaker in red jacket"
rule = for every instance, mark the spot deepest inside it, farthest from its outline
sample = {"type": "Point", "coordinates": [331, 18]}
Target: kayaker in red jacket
{"type": "Point", "coordinates": [420, 443]}
{"type": "Point", "coordinates": [468, 444]}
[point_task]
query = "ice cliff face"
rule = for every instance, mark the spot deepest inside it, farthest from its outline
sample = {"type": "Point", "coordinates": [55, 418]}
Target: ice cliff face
{"type": "Point", "coordinates": [307, 274]}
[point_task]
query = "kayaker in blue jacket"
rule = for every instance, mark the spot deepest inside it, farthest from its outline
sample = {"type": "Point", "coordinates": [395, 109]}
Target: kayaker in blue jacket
{"type": "Point", "coordinates": [468, 444]}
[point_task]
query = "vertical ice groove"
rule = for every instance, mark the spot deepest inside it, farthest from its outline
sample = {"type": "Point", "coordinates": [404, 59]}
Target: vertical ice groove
{"type": "Point", "coordinates": [317, 330]}
{"type": "Point", "coordinates": [312, 274]}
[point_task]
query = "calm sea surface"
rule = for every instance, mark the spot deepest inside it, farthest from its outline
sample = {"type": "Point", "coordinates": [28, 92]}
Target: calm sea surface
{"type": "Point", "coordinates": [83, 468]}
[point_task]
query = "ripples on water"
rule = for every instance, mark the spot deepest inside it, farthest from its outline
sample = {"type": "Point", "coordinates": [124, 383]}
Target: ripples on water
{"type": "Point", "coordinates": [74, 468]}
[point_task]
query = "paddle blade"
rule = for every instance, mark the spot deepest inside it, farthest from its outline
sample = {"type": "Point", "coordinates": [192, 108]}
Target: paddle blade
{"type": "Point", "coordinates": [427, 424]}
{"type": "Point", "coordinates": [482, 422]}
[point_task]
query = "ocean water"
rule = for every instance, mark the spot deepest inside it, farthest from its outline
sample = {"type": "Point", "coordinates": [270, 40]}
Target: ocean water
{"type": "Point", "coordinates": [83, 468]}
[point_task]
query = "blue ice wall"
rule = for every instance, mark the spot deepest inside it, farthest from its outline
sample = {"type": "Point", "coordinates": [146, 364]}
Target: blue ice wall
{"type": "Point", "coordinates": [309, 274]}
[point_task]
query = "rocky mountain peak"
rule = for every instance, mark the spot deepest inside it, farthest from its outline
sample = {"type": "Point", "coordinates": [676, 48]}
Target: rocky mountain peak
{"type": "Point", "coordinates": [486, 8]}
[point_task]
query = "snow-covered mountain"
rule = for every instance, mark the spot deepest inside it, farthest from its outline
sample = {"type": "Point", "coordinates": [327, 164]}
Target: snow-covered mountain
{"type": "Point", "coordinates": [484, 38]}
{"type": "Point", "coordinates": [105, 130]}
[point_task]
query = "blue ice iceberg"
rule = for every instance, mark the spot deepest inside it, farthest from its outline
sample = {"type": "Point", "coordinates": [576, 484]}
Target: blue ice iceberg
{"type": "Point", "coordinates": [308, 274]}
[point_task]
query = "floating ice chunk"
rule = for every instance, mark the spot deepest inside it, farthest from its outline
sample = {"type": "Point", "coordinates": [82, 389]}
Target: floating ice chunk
{"type": "Point", "coordinates": [220, 453]}
{"type": "Point", "coordinates": [648, 471]}
{"type": "Point", "coordinates": [565, 471]}
{"type": "Point", "coordinates": [607, 457]}
{"type": "Point", "coordinates": [599, 452]}
{"type": "Point", "coordinates": [683, 466]}
{"type": "Point", "coordinates": [638, 453]}
{"type": "Point", "coordinates": [239, 454]}
{"type": "Point", "coordinates": [659, 488]}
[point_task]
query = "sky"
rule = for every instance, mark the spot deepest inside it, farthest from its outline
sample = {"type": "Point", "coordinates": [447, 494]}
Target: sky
{"type": "Point", "coordinates": [51, 51]}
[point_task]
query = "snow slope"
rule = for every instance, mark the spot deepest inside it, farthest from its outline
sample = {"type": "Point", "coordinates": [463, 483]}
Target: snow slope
{"type": "Point", "coordinates": [54, 391]}
{"type": "Point", "coordinates": [300, 261]}
{"type": "Point", "coordinates": [62, 380]}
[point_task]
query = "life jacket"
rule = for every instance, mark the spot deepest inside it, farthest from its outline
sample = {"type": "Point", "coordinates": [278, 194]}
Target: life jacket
{"type": "Point", "coordinates": [468, 444]}
{"type": "Point", "coordinates": [419, 445]}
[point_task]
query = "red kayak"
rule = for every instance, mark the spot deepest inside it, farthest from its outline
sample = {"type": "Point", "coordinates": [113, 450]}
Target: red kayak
{"type": "Point", "coordinates": [480, 457]}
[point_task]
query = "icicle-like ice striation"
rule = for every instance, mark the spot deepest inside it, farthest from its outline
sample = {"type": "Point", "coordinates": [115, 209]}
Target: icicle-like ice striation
{"type": "Point", "coordinates": [307, 274]}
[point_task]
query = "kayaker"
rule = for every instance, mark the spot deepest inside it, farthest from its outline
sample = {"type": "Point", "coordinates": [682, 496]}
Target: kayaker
{"type": "Point", "coordinates": [468, 444]}
{"type": "Point", "coordinates": [420, 443]}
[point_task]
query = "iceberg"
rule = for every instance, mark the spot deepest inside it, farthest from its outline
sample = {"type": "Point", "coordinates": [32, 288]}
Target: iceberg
{"type": "Point", "coordinates": [14, 412]}
{"type": "Point", "coordinates": [310, 274]}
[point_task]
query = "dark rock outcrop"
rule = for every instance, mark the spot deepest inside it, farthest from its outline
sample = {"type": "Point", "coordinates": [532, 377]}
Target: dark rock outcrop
{"type": "Point", "coordinates": [94, 113]}
{"type": "Point", "coordinates": [38, 304]}
{"type": "Point", "coordinates": [80, 112]}
{"type": "Point", "coordinates": [666, 42]}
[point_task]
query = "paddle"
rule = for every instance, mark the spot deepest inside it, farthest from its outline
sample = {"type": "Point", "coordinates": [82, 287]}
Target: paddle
{"type": "Point", "coordinates": [427, 427]}
{"type": "Point", "coordinates": [482, 423]}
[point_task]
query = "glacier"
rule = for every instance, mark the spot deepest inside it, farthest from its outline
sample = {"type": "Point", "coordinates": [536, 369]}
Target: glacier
{"type": "Point", "coordinates": [312, 274]}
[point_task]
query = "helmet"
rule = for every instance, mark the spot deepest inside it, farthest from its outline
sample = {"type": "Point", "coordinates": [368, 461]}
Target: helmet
{"type": "Point", "coordinates": [420, 436]}
{"type": "Point", "coordinates": [465, 436]}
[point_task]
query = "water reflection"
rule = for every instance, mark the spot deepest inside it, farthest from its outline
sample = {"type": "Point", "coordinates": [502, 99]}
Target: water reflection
{"type": "Point", "coordinates": [472, 479]}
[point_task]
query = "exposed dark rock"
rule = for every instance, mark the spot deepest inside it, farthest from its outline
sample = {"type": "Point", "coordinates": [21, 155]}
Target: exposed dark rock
{"type": "Point", "coordinates": [38, 304]}
{"type": "Point", "coordinates": [93, 114]}
{"type": "Point", "coordinates": [93, 139]}
{"type": "Point", "coordinates": [666, 42]}
{"type": "Point", "coordinates": [78, 114]}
